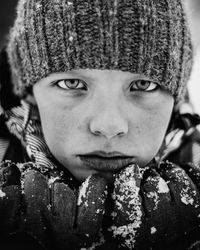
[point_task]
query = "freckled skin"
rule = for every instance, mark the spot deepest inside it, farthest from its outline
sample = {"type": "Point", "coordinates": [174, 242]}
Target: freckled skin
{"type": "Point", "coordinates": [107, 116]}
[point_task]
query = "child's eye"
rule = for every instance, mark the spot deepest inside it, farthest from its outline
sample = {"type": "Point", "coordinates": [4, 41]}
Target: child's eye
{"type": "Point", "coordinates": [70, 84]}
{"type": "Point", "coordinates": [143, 85]}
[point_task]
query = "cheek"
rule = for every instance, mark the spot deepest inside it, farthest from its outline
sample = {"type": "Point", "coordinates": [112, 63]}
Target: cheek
{"type": "Point", "coordinates": [61, 129]}
{"type": "Point", "coordinates": [148, 132]}
{"type": "Point", "coordinates": [156, 127]}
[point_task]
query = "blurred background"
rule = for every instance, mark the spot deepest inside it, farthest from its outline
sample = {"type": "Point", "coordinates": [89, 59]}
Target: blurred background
{"type": "Point", "coordinates": [7, 14]}
{"type": "Point", "coordinates": [193, 11]}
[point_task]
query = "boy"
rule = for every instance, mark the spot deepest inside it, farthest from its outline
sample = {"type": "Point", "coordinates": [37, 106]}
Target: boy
{"type": "Point", "coordinates": [96, 94]}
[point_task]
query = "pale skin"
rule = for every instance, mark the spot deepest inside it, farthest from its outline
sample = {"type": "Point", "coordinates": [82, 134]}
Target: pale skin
{"type": "Point", "coordinates": [86, 110]}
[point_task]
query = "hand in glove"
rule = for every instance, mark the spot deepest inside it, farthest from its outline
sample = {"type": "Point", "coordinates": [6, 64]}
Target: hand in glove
{"type": "Point", "coordinates": [45, 208]}
{"type": "Point", "coordinates": [63, 218]}
{"type": "Point", "coordinates": [154, 208]}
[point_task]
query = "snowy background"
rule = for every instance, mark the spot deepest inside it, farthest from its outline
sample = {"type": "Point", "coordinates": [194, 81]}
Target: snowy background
{"type": "Point", "coordinates": [193, 9]}
{"type": "Point", "coordinates": [7, 14]}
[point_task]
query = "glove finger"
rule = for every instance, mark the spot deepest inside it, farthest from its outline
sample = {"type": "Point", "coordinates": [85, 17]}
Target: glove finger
{"type": "Point", "coordinates": [37, 201]}
{"type": "Point", "coordinates": [128, 211]}
{"type": "Point", "coordinates": [91, 202]}
{"type": "Point", "coordinates": [159, 216]}
{"type": "Point", "coordinates": [155, 193]}
{"type": "Point", "coordinates": [10, 196]}
{"type": "Point", "coordinates": [63, 210]}
{"type": "Point", "coordinates": [126, 195]}
{"type": "Point", "coordinates": [185, 196]}
{"type": "Point", "coordinates": [63, 207]}
{"type": "Point", "coordinates": [10, 206]}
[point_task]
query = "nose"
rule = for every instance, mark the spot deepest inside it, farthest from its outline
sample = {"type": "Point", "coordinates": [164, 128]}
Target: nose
{"type": "Point", "coordinates": [108, 122]}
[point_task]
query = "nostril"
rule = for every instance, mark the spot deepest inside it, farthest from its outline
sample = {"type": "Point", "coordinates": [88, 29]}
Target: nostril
{"type": "Point", "coordinates": [120, 134]}
{"type": "Point", "coordinates": [97, 132]}
{"type": "Point", "coordinates": [108, 135]}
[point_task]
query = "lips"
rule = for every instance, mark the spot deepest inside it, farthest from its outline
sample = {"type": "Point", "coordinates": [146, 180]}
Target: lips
{"type": "Point", "coordinates": [106, 162]}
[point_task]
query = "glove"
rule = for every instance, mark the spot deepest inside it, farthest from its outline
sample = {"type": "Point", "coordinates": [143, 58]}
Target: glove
{"type": "Point", "coordinates": [45, 208]}
{"type": "Point", "coordinates": [59, 217]}
{"type": "Point", "coordinates": [155, 208]}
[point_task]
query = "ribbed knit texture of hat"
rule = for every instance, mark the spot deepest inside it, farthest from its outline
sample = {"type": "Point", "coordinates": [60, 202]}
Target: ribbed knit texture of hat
{"type": "Point", "coordinates": [148, 37]}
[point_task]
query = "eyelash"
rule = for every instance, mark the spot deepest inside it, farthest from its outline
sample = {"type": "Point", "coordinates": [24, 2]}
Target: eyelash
{"type": "Point", "coordinates": [84, 87]}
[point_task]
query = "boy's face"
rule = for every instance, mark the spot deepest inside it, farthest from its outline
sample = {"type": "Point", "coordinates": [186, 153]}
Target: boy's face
{"type": "Point", "coordinates": [101, 120]}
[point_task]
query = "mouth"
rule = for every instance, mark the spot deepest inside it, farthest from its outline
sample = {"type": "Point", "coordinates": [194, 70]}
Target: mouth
{"type": "Point", "coordinates": [106, 162]}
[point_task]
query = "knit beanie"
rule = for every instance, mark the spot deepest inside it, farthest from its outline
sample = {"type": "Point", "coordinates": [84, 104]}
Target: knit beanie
{"type": "Point", "coordinates": [149, 37]}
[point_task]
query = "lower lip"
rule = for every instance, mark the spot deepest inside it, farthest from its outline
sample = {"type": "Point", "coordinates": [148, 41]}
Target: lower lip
{"type": "Point", "coordinates": [106, 164]}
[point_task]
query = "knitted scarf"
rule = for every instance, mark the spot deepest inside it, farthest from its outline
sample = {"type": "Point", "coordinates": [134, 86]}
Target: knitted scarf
{"type": "Point", "coordinates": [23, 121]}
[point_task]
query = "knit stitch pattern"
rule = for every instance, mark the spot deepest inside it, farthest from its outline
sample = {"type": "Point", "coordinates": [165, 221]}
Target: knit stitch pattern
{"type": "Point", "coordinates": [148, 37]}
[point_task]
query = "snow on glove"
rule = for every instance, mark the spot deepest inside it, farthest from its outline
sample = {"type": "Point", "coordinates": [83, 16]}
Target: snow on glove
{"type": "Point", "coordinates": [154, 208]}
{"type": "Point", "coordinates": [127, 214]}
{"type": "Point", "coordinates": [57, 216]}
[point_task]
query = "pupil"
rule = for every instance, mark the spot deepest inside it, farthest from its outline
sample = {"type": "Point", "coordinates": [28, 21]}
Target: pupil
{"type": "Point", "coordinates": [72, 83]}
{"type": "Point", "coordinates": [143, 84]}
